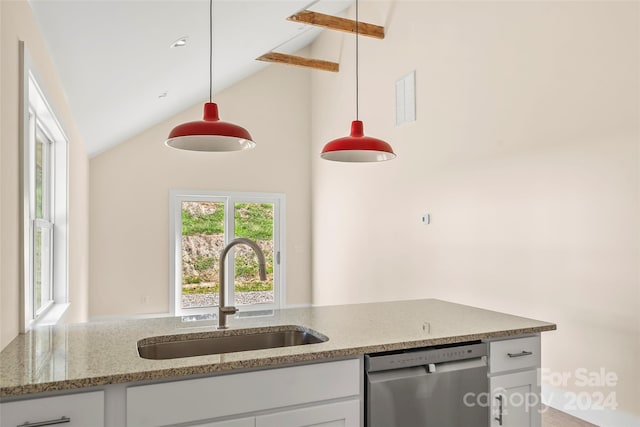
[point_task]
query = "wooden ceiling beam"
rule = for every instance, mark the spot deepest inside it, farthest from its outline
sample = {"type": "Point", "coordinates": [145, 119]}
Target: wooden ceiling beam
{"type": "Point", "coordinates": [337, 23]}
{"type": "Point", "coordinates": [283, 58]}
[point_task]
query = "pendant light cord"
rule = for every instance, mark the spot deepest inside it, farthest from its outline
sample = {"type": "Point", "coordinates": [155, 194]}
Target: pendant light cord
{"type": "Point", "coordinates": [357, 68]}
{"type": "Point", "coordinates": [210, 50]}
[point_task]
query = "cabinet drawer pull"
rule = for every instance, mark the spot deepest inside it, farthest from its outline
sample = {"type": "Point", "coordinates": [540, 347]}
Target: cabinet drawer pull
{"type": "Point", "coordinates": [499, 417]}
{"type": "Point", "coordinates": [522, 353]}
{"type": "Point", "coordinates": [62, 420]}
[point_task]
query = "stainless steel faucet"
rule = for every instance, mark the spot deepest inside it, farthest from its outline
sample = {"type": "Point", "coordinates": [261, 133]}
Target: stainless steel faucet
{"type": "Point", "coordinates": [223, 310]}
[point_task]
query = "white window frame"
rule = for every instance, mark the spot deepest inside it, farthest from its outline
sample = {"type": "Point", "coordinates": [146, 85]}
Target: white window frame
{"type": "Point", "coordinates": [46, 222]}
{"type": "Point", "coordinates": [176, 198]}
{"type": "Point", "coordinates": [36, 112]}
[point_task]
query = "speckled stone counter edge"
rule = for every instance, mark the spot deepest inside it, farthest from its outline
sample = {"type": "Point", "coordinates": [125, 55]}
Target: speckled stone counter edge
{"type": "Point", "coordinates": [267, 362]}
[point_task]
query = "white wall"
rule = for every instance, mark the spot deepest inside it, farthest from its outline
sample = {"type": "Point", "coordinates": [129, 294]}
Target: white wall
{"type": "Point", "coordinates": [4, 336]}
{"type": "Point", "coordinates": [18, 23]}
{"type": "Point", "coordinates": [130, 184]}
{"type": "Point", "coordinates": [525, 152]}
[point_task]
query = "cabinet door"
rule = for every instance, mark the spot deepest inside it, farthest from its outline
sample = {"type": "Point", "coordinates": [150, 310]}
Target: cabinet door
{"type": "Point", "coordinates": [74, 410]}
{"type": "Point", "coordinates": [341, 414]}
{"type": "Point", "coordinates": [515, 400]}
{"type": "Point", "coordinates": [244, 422]}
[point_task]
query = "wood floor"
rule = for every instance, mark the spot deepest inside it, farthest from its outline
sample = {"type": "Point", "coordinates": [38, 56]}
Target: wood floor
{"type": "Point", "coordinates": [554, 418]}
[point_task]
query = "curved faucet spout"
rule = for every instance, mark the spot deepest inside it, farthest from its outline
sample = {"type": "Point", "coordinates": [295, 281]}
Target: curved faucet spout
{"type": "Point", "coordinates": [223, 310]}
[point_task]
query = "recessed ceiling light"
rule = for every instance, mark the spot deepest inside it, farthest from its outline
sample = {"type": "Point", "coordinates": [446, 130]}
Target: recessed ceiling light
{"type": "Point", "coordinates": [182, 41]}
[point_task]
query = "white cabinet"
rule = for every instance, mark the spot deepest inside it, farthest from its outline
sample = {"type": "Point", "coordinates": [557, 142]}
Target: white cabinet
{"type": "Point", "coordinates": [341, 414]}
{"type": "Point", "coordinates": [514, 354]}
{"type": "Point", "coordinates": [336, 414]}
{"type": "Point", "coordinates": [234, 396]}
{"type": "Point", "coordinates": [74, 410]}
{"type": "Point", "coordinates": [513, 380]}
{"type": "Point", "coordinates": [515, 400]}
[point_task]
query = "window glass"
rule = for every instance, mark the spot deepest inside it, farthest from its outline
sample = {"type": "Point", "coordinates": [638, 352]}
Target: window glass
{"type": "Point", "coordinates": [203, 225]}
{"type": "Point", "coordinates": [39, 169]}
{"type": "Point", "coordinates": [42, 268]}
{"type": "Point", "coordinates": [42, 239]}
{"type": "Point", "coordinates": [253, 221]}
{"type": "Point", "coordinates": [202, 243]}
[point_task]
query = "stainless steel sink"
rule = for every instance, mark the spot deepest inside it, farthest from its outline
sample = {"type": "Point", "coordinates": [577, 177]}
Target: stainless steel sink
{"type": "Point", "coordinates": [204, 343]}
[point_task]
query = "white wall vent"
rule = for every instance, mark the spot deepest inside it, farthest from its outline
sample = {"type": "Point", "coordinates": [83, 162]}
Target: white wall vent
{"type": "Point", "coordinates": [406, 99]}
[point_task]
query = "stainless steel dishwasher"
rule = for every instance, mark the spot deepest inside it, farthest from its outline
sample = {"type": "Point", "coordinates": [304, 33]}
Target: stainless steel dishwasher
{"type": "Point", "coordinates": [433, 387]}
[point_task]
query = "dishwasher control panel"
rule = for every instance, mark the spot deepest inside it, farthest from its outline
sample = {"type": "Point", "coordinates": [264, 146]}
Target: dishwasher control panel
{"type": "Point", "coordinates": [424, 357]}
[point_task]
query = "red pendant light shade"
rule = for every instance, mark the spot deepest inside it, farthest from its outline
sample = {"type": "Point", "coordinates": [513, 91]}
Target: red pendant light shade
{"type": "Point", "coordinates": [357, 148]}
{"type": "Point", "coordinates": [210, 134]}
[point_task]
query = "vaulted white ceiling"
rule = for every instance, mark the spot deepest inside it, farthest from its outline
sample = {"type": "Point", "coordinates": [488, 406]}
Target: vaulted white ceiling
{"type": "Point", "coordinates": [120, 74]}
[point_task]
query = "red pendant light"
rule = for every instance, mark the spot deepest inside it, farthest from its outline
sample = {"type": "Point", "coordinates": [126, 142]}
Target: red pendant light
{"type": "Point", "coordinates": [356, 147]}
{"type": "Point", "coordinates": [210, 133]}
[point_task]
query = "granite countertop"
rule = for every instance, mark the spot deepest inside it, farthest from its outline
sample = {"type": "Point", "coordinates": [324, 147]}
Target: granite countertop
{"type": "Point", "coordinates": [93, 354]}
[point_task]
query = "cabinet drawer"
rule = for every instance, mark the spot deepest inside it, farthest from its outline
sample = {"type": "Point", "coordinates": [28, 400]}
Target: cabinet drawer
{"type": "Point", "coordinates": [518, 353]}
{"type": "Point", "coordinates": [82, 410]}
{"type": "Point", "coordinates": [234, 394]}
{"type": "Point", "coordinates": [340, 414]}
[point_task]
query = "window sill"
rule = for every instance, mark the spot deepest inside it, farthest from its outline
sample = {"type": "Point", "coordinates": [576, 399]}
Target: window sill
{"type": "Point", "coordinates": [52, 316]}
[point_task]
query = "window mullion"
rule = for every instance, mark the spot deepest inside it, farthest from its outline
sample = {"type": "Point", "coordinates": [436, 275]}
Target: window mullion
{"type": "Point", "coordinates": [30, 186]}
{"type": "Point", "coordinates": [31, 154]}
{"type": "Point", "coordinates": [277, 256]}
{"type": "Point", "coordinates": [230, 234]}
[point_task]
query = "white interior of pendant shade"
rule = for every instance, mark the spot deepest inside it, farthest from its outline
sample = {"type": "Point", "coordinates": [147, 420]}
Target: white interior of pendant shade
{"type": "Point", "coordinates": [357, 156]}
{"type": "Point", "coordinates": [214, 143]}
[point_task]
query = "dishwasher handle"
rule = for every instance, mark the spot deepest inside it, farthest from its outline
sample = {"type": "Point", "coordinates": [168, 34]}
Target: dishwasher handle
{"type": "Point", "coordinates": [458, 365]}
{"type": "Point", "coordinates": [424, 357]}
{"type": "Point", "coordinates": [423, 371]}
